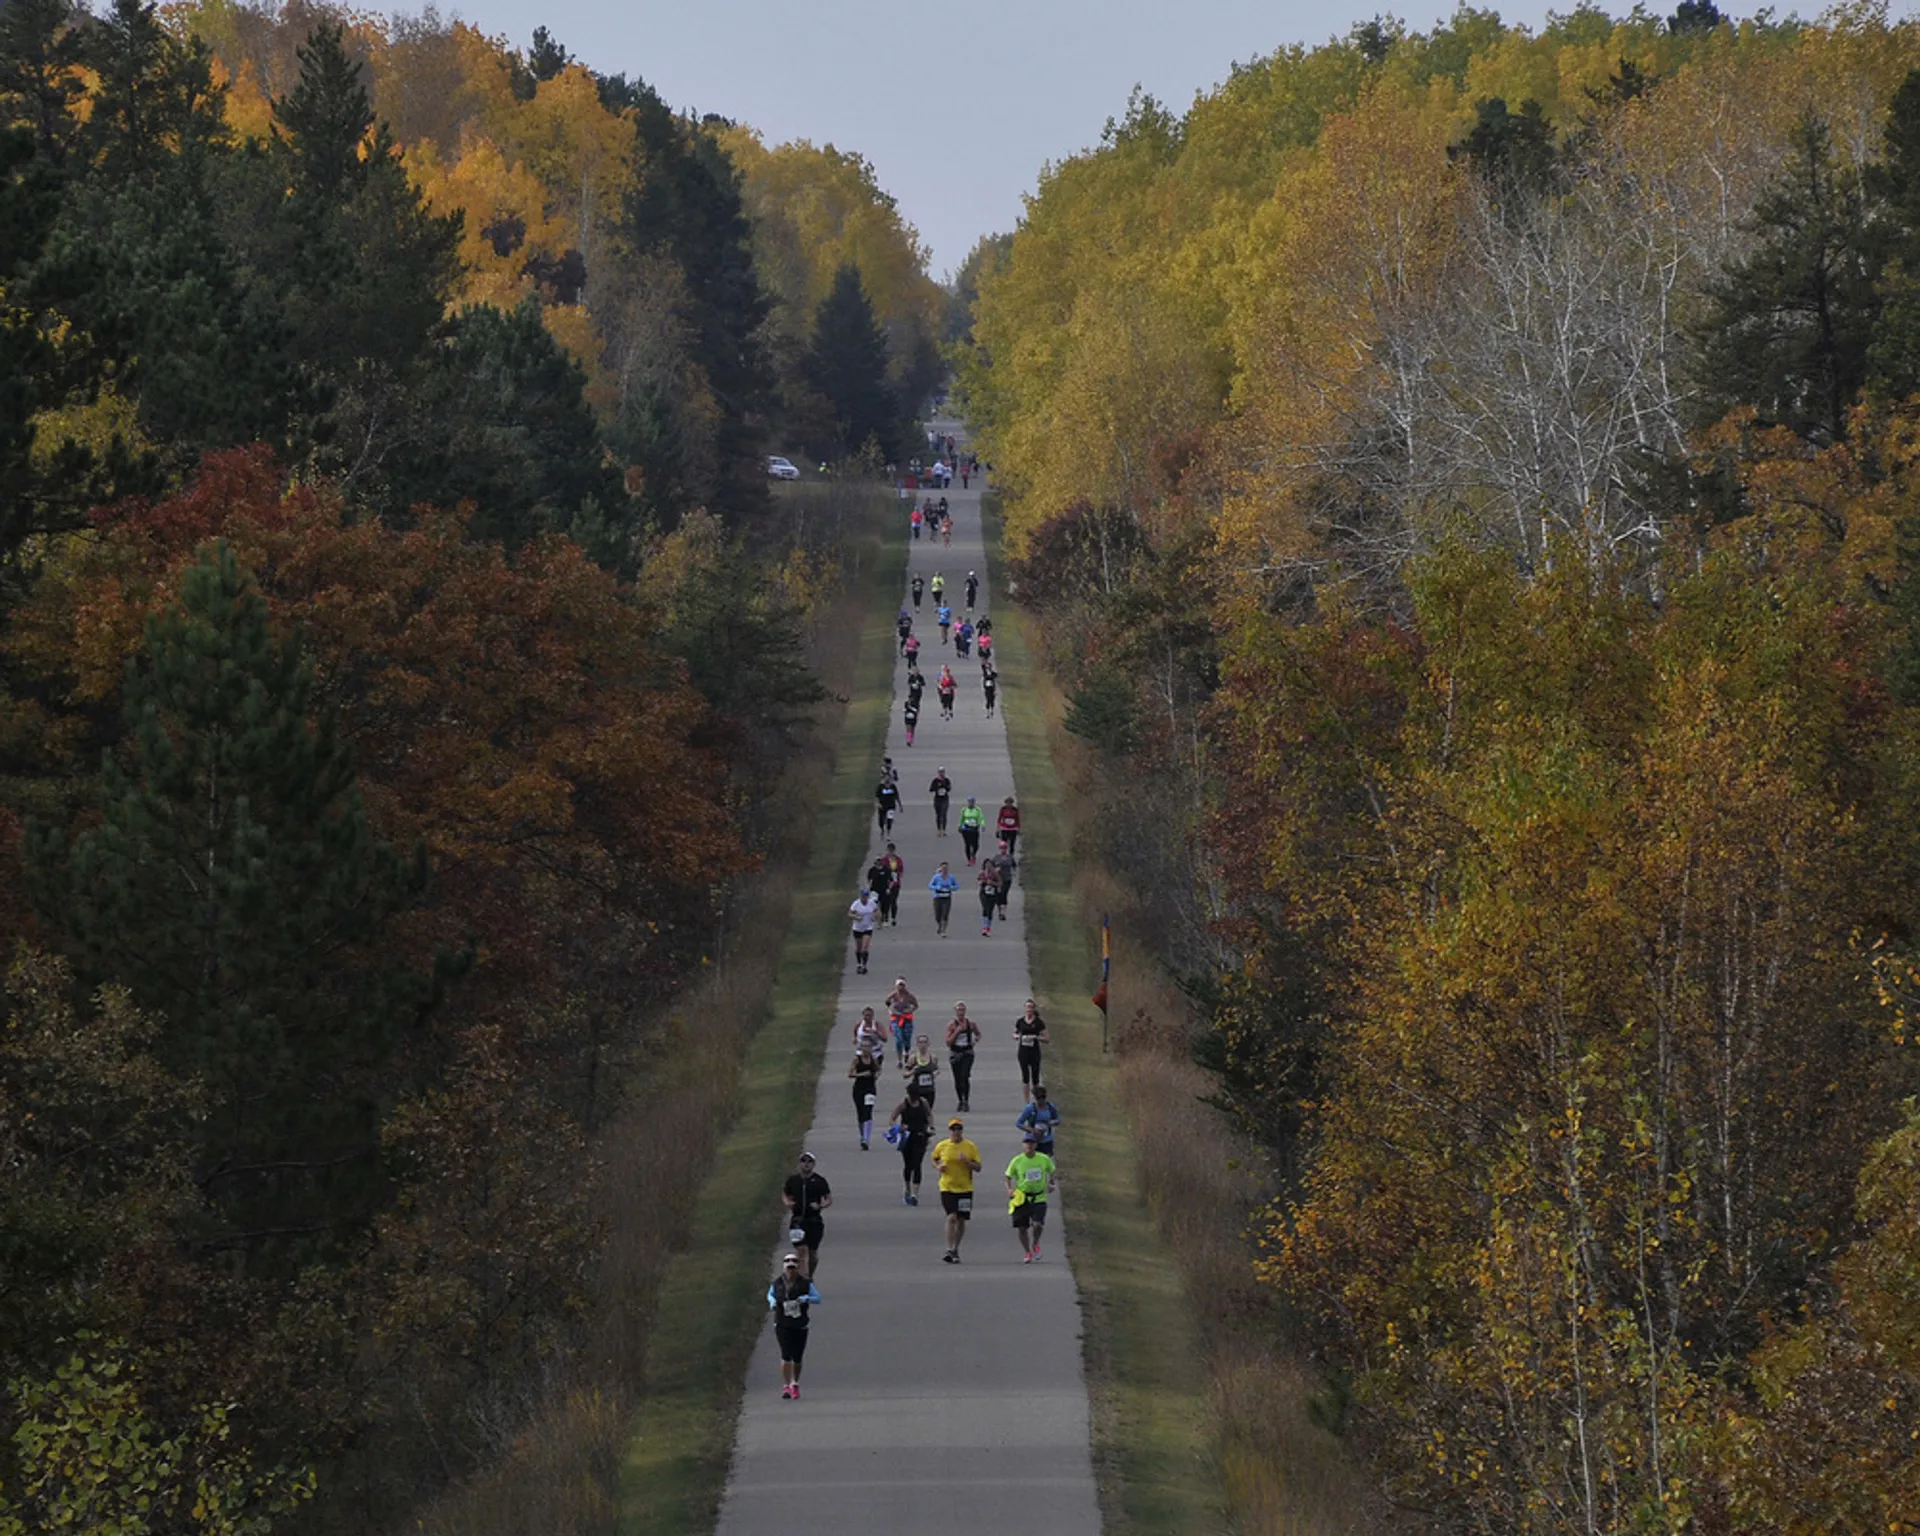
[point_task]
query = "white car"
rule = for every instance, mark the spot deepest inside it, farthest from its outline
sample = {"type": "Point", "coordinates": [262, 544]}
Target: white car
{"type": "Point", "coordinates": [781, 469]}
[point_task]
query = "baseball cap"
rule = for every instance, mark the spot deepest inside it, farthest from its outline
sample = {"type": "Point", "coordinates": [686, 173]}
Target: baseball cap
{"type": "Point", "coordinates": [792, 1258]}
{"type": "Point", "coordinates": [955, 1121]}
{"type": "Point", "coordinates": [808, 1157]}
{"type": "Point", "coordinates": [1031, 1137]}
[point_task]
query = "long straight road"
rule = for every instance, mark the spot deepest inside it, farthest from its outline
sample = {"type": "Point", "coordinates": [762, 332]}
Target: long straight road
{"type": "Point", "coordinates": [937, 1395]}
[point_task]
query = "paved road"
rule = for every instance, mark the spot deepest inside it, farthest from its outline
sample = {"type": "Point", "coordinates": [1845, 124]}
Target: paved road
{"type": "Point", "coordinates": [936, 1396]}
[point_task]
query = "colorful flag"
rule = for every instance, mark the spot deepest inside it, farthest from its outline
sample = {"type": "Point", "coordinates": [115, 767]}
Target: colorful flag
{"type": "Point", "coordinates": [1106, 963]}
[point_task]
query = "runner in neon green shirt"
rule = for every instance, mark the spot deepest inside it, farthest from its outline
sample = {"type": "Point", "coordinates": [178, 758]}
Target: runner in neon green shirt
{"type": "Point", "coordinates": [972, 819]}
{"type": "Point", "coordinates": [1029, 1182]}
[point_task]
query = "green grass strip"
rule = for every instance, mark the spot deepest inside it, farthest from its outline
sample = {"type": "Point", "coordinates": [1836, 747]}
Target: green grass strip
{"type": "Point", "coordinates": [1145, 1366]}
{"type": "Point", "coordinates": [712, 1305]}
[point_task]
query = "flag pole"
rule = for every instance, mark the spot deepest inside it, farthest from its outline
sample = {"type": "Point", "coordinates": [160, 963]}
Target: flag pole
{"type": "Point", "coordinates": [1106, 975]}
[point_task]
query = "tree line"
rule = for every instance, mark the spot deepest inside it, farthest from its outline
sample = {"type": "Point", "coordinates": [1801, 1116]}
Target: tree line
{"type": "Point", "coordinates": [1470, 475]}
{"type": "Point", "coordinates": [398, 641]}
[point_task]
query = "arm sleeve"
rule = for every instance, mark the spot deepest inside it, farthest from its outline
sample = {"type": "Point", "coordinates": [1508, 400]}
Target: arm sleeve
{"type": "Point", "coordinates": [813, 1294]}
{"type": "Point", "coordinates": [771, 1303]}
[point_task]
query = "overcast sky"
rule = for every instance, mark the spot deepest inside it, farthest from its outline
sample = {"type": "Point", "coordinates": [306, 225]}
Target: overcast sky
{"type": "Point", "coordinates": [956, 106]}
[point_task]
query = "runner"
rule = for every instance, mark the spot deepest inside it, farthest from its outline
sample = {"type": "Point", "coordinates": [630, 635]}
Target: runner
{"type": "Point", "coordinates": [911, 1126]}
{"type": "Point", "coordinates": [1041, 1118]}
{"type": "Point", "coordinates": [989, 683]}
{"type": "Point", "coordinates": [958, 1160]}
{"type": "Point", "coordinates": [886, 804]}
{"type": "Point", "coordinates": [864, 1074]}
{"type": "Point", "coordinates": [942, 791]}
{"type": "Point", "coordinates": [943, 885]}
{"type": "Point", "coordinates": [865, 913]}
{"type": "Point", "coordinates": [972, 819]}
{"type": "Point", "coordinates": [1029, 1182]}
{"type": "Point", "coordinates": [946, 687]}
{"type": "Point", "coordinates": [880, 881]}
{"type": "Point", "coordinates": [869, 1035]}
{"type": "Point", "coordinates": [1008, 823]}
{"type": "Point", "coordinates": [989, 878]}
{"type": "Point", "coordinates": [943, 616]}
{"type": "Point", "coordinates": [911, 650]}
{"type": "Point", "coordinates": [1003, 862]}
{"type": "Point", "coordinates": [788, 1299]}
{"type": "Point", "coordinates": [903, 626]}
{"type": "Point", "coordinates": [923, 1072]}
{"type": "Point", "coordinates": [1029, 1034]}
{"type": "Point", "coordinates": [896, 868]}
{"type": "Point", "coordinates": [963, 1035]}
{"type": "Point", "coordinates": [805, 1196]}
{"type": "Point", "coordinates": [983, 643]}
{"type": "Point", "coordinates": [973, 589]}
{"type": "Point", "coordinates": [901, 1007]}
{"type": "Point", "coordinates": [910, 715]}
{"type": "Point", "coordinates": [937, 589]}
{"type": "Point", "coordinates": [946, 531]}
{"type": "Point", "coordinates": [917, 520]}
{"type": "Point", "coordinates": [919, 588]}
{"type": "Point", "coordinates": [963, 638]}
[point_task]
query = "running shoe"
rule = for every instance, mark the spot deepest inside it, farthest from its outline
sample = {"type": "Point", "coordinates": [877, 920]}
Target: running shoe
{"type": "Point", "coordinates": [796, 1389]}
{"type": "Point", "coordinates": [913, 1199]}
{"type": "Point", "coordinates": [1028, 1259]}
{"type": "Point", "coordinates": [950, 1257]}
{"type": "Point", "coordinates": [786, 1392]}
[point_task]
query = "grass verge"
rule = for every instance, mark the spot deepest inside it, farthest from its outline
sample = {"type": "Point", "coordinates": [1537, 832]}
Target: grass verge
{"type": "Point", "coordinates": [710, 1310]}
{"type": "Point", "coordinates": [1152, 1412]}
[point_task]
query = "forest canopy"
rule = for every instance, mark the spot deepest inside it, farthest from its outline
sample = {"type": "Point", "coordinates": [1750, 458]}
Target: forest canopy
{"type": "Point", "coordinates": [1470, 475]}
{"type": "Point", "coordinates": [398, 644]}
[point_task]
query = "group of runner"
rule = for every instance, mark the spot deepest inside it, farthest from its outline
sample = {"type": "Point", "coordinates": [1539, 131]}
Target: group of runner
{"type": "Point", "coordinates": [887, 1040]}
{"type": "Point", "coordinates": [1030, 1175]}
{"type": "Point", "coordinates": [968, 637]}
{"type": "Point", "coordinates": [877, 903]}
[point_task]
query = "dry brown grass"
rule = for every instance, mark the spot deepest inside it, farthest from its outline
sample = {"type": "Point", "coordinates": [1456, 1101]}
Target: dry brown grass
{"type": "Point", "coordinates": [1205, 1183]}
{"type": "Point", "coordinates": [559, 1475]}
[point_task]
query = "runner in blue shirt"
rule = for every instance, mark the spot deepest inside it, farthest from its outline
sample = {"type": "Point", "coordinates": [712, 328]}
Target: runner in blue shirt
{"type": "Point", "coordinates": [1041, 1117]}
{"type": "Point", "coordinates": [943, 885]}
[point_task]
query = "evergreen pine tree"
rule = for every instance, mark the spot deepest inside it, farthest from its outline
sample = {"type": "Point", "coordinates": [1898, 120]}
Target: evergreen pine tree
{"type": "Point", "coordinates": [1894, 184]}
{"type": "Point", "coordinates": [686, 204]}
{"type": "Point", "coordinates": [1789, 326]}
{"type": "Point", "coordinates": [326, 117]}
{"type": "Point", "coordinates": [847, 363]}
{"type": "Point", "coordinates": [233, 886]}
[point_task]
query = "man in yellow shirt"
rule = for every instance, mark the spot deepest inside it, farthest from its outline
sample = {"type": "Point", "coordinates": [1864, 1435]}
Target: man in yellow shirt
{"type": "Point", "coordinates": [958, 1161]}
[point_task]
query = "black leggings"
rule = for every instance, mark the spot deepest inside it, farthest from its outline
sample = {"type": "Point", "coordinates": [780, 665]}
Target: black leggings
{"type": "Point", "coordinates": [939, 815]}
{"type": "Point", "coordinates": [864, 1092]}
{"type": "Point", "coordinates": [913, 1157]}
{"type": "Point", "coordinates": [960, 1063]}
{"type": "Point", "coordinates": [792, 1341]}
{"type": "Point", "coordinates": [970, 840]}
{"type": "Point", "coordinates": [1029, 1064]}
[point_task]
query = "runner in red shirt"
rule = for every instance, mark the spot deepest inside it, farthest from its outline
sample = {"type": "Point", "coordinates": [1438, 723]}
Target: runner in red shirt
{"type": "Point", "coordinates": [1008, 823]}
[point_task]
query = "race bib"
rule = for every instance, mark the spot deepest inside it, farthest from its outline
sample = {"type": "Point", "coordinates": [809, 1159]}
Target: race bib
{"type": "Point", "coordinates": [869, 1101]}
{"type": "Point", "coordinates": [965, 1204]}
{"type": "Point", "coordinates": [796, 1234]}
{"type": "Point", "coordinates": [791, 1308]}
